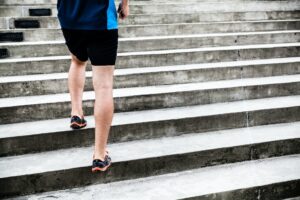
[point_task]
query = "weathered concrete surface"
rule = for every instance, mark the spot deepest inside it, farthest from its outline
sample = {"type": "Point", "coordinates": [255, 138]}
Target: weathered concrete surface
{"type": "Point", "coordinates": [140, 19]}
{"type": "Point", "coordinates": [42, 34]}
{"type": "Point", "coordinates": [21, 66]}
{"type": "Point", "coordinates": [43, 84]}
{"type": "Point", "coordinates": [265, 179]}
{"type": "Point", "coordinates": [181, 7]}
{"type": "Point", "coordinates": [58, 48]}
{"type": "Point", "coordinates": [40, 135]}
{"type": "Point", "coordinates": [294, 198]}
{"type": "Point", "coordinates": [14, 110]}
{"type": "Point", "coordinates": [133, 2]}
{"type": "Point", "coordinates": [236, 43]}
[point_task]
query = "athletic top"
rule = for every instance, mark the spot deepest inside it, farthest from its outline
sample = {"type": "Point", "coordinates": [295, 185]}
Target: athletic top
{"type": "Point", "coordinates": [87, 14]}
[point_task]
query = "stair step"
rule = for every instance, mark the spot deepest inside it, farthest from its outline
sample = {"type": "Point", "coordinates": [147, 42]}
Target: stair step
{"type": "Point", "coordinates": [13, 110]}
{"type": "Point", "coordinates": [133, 2]}
{"type": "Point", "coordinates": [42, 34]}
{"type": "Point", "coordinates": [143, 19]}
{"type": "Point", "coordinates": [58, 48]}
{"type": "Point", "coordinates": [181, 7]}
{"type": "Point", "coordinates": [57, 170]}
{"type": "Point", "coordinates": [43, 84]}
{"type": "Point", "coordinates": [294, 198]}
{"type": "Point", "coordinates": [272, 178]}
{"type": "Point", "coordinates": [145, 124]}
{"type": "Point", "coordinates": [206, 93]}
{"type": "Point", "coordinates": [54, 64]}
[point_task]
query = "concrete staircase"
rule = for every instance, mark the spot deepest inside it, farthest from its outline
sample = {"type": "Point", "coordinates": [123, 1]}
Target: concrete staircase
{"type": "Point", "coordinates": [207, 104]}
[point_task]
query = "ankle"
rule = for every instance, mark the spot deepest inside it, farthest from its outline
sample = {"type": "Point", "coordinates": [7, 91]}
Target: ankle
{"type": "Point", "coordinates": [80, 114]}
{"type": "Point", "coordinates": [100, 155]}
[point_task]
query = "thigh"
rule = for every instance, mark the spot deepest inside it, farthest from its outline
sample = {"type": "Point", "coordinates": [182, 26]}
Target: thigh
{"type": "Point", "coordinates": [76, 43]}
{"type": "Point", "coordinates": [102, 47]}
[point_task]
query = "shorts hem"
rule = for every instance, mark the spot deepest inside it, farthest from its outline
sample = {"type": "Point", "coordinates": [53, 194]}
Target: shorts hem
{"type": "Point", "coordinates": [102, 64]}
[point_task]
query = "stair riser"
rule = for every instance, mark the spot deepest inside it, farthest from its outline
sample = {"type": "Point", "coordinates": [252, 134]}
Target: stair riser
{"type": "Point", "coordinates": [146, 130]}
{"type": "Point", "coordinates": [217, 6]}
{"type": "Point", "coordinates": [60, 138]}
{"type": "Point", "coordinates": [4, 23]}
{"type": "Point", "coordinates": [22, 11]}
{"type": "Point", "coordinates": [270, 191]}
{"type": "Point", "coordinates": [39, 50]}
{"type": "Point", "coordinates": [173, 8]}
{"type": "Point", "coordinates": [165, 30]}
{"type": "Point", "coordinates": [132, 31]}
{"type": "Point", "coordinates": [144, 167]}
{"type": "Point", "coordinates": [22, 2]}
{"type": "Point", "coordinates": [34, 2]}
{"type": "Point", "coordinates": [52, 22]}
{"type": "Point", "coordinates": [155, 78]}
{"type": "Point", "coordinates": [152, 60]}
{"type": "Point", "coordinates": [28, 2]}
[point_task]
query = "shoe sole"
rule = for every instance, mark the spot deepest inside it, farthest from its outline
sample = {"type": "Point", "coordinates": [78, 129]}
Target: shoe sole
{"type": "Point", "coordinates": [75, 125]}
{"type": "Point", "coordinates": [95, 169]}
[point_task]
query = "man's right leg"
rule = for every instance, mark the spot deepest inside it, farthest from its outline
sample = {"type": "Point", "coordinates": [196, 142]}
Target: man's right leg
{"type": "Point", "coordinates": [76, 81]}
{"type": "Point", "coordinates": [103, 107]}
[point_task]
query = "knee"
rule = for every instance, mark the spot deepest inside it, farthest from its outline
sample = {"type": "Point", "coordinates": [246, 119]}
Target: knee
{"type": "Point", "coordinates": [102, 86]}
{"type": "Point", "coordinates": [103, 78]}
{"type": "Point", "coordinates": [77, 62]}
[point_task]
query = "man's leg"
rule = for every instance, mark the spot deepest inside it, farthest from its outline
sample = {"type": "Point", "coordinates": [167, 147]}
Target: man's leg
{"type": "Point", "coordinates": [103, 107]}
{"type": "Point", "coordinates": [76, 80]}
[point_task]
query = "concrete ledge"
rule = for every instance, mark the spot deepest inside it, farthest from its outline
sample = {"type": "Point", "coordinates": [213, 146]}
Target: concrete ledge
{"type": "Point", "coordinates": [43, 84]}
{"type": "Point", "coordinates": [133, 2]}
{"type": "Point", "coordinates": [14, 110]}
{"type": "Point", "coordinates": [38, 65]}
{"type": "Point", "coordinates": [139, 19]}
{"type": "Point", "coordinates": [58, 48]}
{"type": "Point", "coordinates": [42, 34]}
{"type": "Point", "coordinates": [135, 125]}
{"type": "Point", "coordinates": [203, 184]}
{"type": "Point", "coordinates": [274, 178]}
{"type": "Point", "coordinates": [57, 170]}
{"type": "Point", "coordinates": [180, 7]}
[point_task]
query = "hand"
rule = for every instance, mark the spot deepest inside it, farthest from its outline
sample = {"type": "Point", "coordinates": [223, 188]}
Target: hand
{"type": "Point", "coordinates": [124, 11]}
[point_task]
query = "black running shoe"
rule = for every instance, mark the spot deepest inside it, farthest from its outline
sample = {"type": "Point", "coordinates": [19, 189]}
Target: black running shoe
{"type": "Point", "coordinates": [101, 165]}
{"type": "Point", "coordinates": [77, 122]}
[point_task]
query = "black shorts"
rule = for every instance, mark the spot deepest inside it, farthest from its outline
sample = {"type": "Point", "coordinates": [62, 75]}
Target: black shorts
{"type": "Point", "coordinates": [100, 46]}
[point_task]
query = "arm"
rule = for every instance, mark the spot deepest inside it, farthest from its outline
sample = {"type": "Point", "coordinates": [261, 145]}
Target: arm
{"type": "Point", "coordinates": [125, 9]}
{"type": "Point", "coordinates": [125, 2]}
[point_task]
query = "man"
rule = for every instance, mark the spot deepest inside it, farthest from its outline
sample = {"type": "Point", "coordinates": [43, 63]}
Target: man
{"type": "Point", "coordinates": [90, 29]}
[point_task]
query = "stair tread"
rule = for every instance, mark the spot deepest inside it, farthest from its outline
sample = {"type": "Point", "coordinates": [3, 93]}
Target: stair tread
{"type": "Point", "coordinates": [217, 22]}
{"type": "Point", "coordinates": [43, 29]}
{"type": "Point", "coordinates": [140, 70]}
{"type": "Point", "coordinates": [133, 150]}
{"type": "Point", "coordinates": [157, 37]}
{"type": "Point", "coordinates": [151, 90]}
{"type": "Point", "coordinates": [294, 198]}
{"type": "Point", "coordinates": [154, 14]}
{"type": "Point", "coordinates": [62, 124]}
{"type": "Point", "coordinates": [180, 184]}
{"type": "Point", "coordinates": [191, 183]}
{"type": "Point", "coordinates": [171, 51]}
